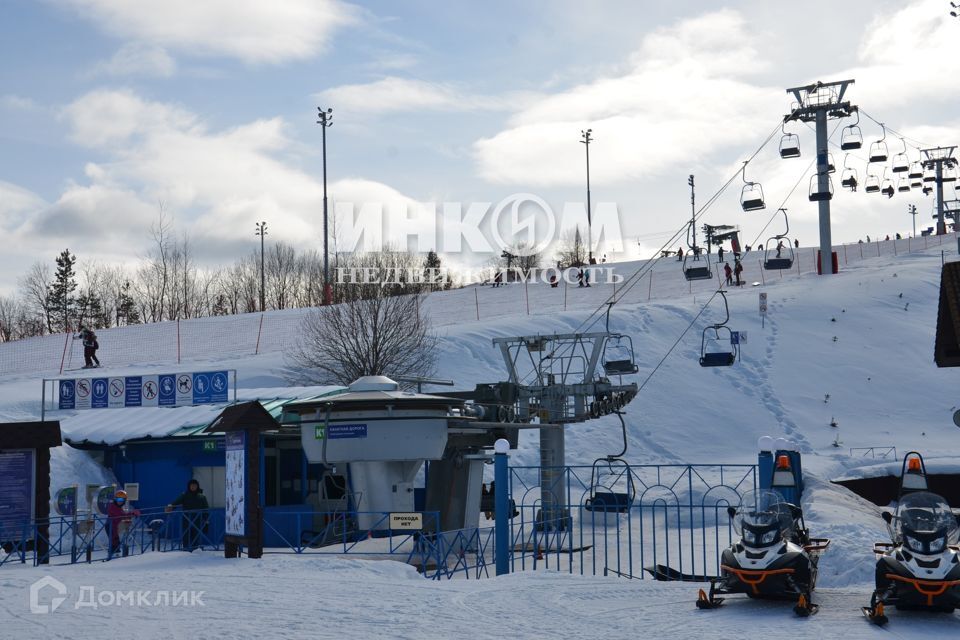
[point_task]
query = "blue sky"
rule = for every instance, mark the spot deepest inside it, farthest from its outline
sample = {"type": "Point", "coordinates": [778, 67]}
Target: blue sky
{"type": "Point", "coordinates": [109, 108]}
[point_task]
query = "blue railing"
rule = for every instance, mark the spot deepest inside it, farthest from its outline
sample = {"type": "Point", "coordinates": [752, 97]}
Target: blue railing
{"type": "Point", "coordinates": [88, 537]}
{"type": "Point", "coordinates": [618, 520]}
{"type": "Point", "coordinates": [672, 516]}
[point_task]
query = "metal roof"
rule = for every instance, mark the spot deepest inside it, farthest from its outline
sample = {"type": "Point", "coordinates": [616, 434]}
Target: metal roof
{"type": "Point", "coordinates": [115, 426]}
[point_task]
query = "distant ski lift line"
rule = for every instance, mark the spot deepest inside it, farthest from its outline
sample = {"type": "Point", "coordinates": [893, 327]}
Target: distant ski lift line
{"type": "Point", "coordinates": [632, 280]}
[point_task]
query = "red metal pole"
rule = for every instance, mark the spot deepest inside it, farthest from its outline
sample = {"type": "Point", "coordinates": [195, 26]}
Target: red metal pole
{"type": "Point", "coordinates": [63, 359]}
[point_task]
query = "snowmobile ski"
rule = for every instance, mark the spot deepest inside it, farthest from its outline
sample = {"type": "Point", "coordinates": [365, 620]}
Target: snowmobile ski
{"type": "Point", "coordinates": [705, 601]}
{"type": "Point", "coordinates": [876, 617]}
{"type": "Point", "coordinates": [804, 608]}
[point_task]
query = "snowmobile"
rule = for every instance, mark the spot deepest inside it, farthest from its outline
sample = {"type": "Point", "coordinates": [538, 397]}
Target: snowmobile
{"type": "Point", "coordinates": [775, 558]}
{"type": "Point", "coordinates": [920, 568]}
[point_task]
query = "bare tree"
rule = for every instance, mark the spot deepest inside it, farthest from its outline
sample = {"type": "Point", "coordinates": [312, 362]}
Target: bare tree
{"type": "Point", "coordinates": [10, 312]}
{"type": "Point", "coordinates": [35, 289]}
{"type": "Point", "coordinates": [281, 263]}
{"type": "Point", "coordinates": [571, 249]}
{"type": "Point", "coordinates": [375, 329]}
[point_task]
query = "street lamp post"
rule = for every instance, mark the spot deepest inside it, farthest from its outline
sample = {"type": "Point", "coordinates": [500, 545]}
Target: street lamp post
{"type": "Point", "coordinates": [586, 138]}
{"type": "Point", "coordinates": [325, 121]}
{"type": "Point", "coordinates": [912, 210]}
{"type": "Point", "coordinates": [262, 232]}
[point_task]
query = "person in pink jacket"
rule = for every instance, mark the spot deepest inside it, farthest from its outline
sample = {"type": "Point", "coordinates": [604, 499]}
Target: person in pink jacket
{"type": "Point", "coordinates": [115, 516]}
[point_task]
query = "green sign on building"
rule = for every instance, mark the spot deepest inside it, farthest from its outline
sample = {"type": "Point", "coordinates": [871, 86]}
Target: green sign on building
{"type": "Point", "coordinates": [318, 432]}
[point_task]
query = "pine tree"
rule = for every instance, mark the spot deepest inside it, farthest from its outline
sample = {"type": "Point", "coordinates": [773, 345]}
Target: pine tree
{"type": "Point", "coordinates": [127, 306]}
{"type": "Point", "coordinates": [220, 306]}
{"type": "Point", "coordinates": [63, 306]}
{"type": "Point", "coordinates": [434, 278]}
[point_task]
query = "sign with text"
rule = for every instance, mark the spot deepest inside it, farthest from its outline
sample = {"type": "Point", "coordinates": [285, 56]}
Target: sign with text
{"type": "Point", "coordinates": [339, 431]}
{"type": "Point", "coordinates": [235, 502]}
{"type": "Point", "coordinates": [406, 521]}
{"type": "Point", "coordinates": [163, 390]}
{"type": "Point", "coordinates": [17, 471]}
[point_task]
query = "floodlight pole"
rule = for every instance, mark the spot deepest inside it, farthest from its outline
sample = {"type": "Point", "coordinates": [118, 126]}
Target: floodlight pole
{"type": "Point", "coordinates": [585, 139]}
{"type": "Point", "coordinates": [262, 232]}
{"type": "Point", "coordinates": [817, 103]}
{"type": "Point", "coordinates": [325, 121]}
{"type": "Point", "coordinates": [937, 159]}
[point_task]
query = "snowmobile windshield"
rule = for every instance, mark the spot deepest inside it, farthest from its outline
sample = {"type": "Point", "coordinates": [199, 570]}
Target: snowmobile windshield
{"type": "Point", "coordinates": [925, 517]}
{"type": "Point", "coordinates": [762, 509]}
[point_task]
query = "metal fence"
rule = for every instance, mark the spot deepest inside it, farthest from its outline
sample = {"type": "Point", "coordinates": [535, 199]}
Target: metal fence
{"type": "Point", "coordinates": [90, 537]}
{"type": "Point", "coordinates": [661, 518]}
{"type": "Point", "coordinates": [627, 519]}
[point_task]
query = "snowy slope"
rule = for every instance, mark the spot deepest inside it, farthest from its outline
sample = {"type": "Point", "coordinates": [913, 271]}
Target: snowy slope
{"type": "Point", "coordinates": [884, 391]}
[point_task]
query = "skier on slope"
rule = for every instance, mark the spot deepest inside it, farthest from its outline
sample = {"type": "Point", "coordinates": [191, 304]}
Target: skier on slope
{"type": "Point", "coordinates": [90, 346]}
{"type": "Point", "coordinates": [728, 272]}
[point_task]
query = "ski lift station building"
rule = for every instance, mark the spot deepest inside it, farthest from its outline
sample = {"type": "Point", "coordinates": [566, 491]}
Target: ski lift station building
{"type": "Point", "coordinates": [162, 448]}
{"type": "Point", "coordinates": [354, 449]}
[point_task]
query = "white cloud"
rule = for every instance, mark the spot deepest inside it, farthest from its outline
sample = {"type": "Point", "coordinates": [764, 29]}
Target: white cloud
{"type": "Point", "coordinates": [905, 58]}
{"type": "Point", "coordinates": [250, 30]}
{"type": "Point", "coordinates": [216, 183]}
{"type": "Point", "coordinates": [108, 117]}
{"type": "Point", "coordinates": [137, 58]}
{"type": "Point", "coordinates": [392, 94]}
{"type": "Point", "coordinates": [397, 95]}
{"type": "Point", "coordinates": [15, 203]}
{"type": "Point", "coordinates": [665, 110]}
{"type": "Point", "coordinates": [17, 103]}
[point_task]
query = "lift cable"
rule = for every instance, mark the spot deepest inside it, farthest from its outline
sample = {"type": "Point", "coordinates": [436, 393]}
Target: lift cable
{"type": "Point", "coordinates": [679, 338]}
{"type": "Point", "coordinates": [803, 177]}
{"type": "Point", "coordinates": [597, 314]}
{"type": "Point", "coordinates": [917, 144]}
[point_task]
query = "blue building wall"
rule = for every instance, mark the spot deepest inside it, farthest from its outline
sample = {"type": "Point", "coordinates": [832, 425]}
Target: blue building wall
{"type": "Point", "coordinates": [162, 468]}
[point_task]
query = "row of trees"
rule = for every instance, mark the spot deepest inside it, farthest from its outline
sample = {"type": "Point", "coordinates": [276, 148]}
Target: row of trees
{"type": "Point", "coordinates": [168, 283]}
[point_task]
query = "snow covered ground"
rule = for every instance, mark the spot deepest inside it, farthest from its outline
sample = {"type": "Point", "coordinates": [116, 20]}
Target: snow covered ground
{"type": "Point", "coordinates": [300, 597]}
{"type": "Point", "coordinates": [856, 349]}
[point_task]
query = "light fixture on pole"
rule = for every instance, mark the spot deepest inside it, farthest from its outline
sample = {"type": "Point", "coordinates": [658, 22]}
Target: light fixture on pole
{"type": "Point", "coordinates": [586, 138]}
{"type": "Point", "coordinates": [325, 120]}
{"type": "Point", "coordinates": [262, 232]}
{"type": "Point", "coordinates": [912, 210]}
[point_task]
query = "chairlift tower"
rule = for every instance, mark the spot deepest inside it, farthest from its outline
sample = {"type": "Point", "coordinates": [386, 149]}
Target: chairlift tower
{"type": "Point", "coordinates": [937, 159]}
{"type": "Point", "coordinates": [562, 379]}
{"type": "Point", "coordinates": [818, 103]}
